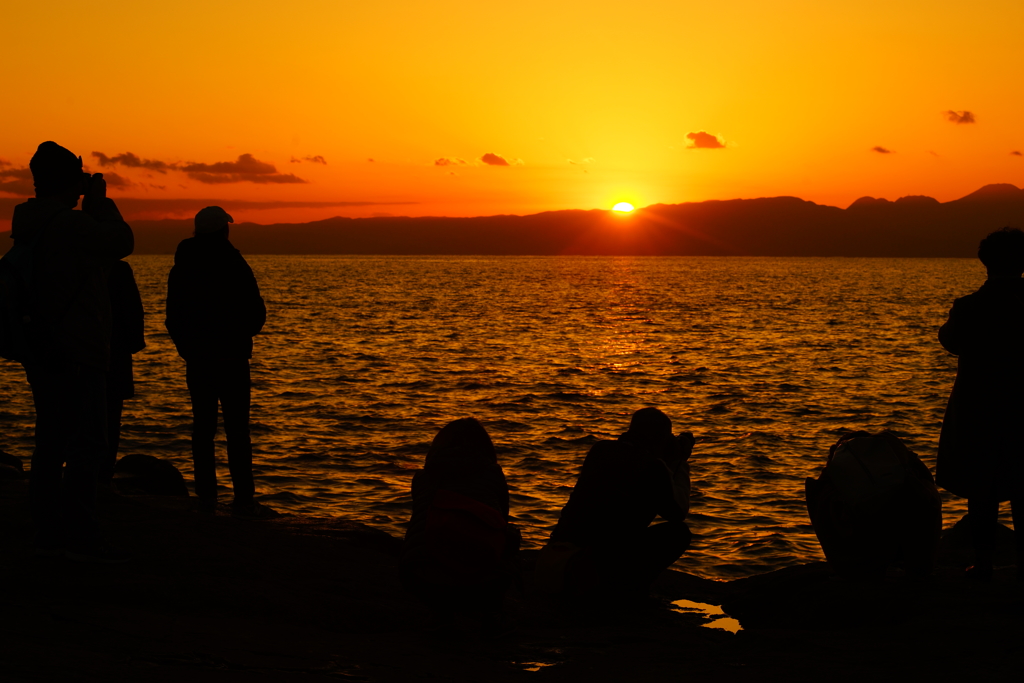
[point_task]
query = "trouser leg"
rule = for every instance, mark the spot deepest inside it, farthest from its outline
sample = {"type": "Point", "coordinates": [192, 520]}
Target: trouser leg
{"type": "Point", "coordinates": [47, 459]}
{"type": "Point", "coordinates": [115, 409]}
{"type": "Point", "coordinates": [629, 566]}
{"type": "Point", "coordinates": [236, 399]}
{"type": "Point", "coordinates": [202, 389]}
{"type": "Point", "coordinates": [83, 409]}
{"type": "Point", "coordinates": [983, 514]}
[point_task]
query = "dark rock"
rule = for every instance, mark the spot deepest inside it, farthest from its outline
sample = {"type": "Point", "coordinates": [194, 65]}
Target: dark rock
{"type": "Point", "coordinates": [11, 466]}
{"type": "Point", "coordinates": [144, 474]}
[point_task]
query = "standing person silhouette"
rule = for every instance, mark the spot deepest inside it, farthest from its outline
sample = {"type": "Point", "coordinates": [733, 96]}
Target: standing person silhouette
{"type": "Point", "coordinates": [214, 309]}
{"type": "Point", "coordinates": [68, 354]}
{"type": "Point", "coordinates": [127, 338]}
{"type": "Point", "coordinates": [981, 448]}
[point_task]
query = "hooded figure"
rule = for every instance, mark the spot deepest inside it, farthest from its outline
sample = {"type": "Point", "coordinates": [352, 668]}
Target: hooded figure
{"type": "Point", "coordinates": [69, 332]}
{"type": "Point", "coordinates": [460, 548]}
{"type": "Point", "coordinates": [875, 505]}
{"type": "Point", "coordinates": [981, 448]}
{"type": "Point", "coordinates": [214, 309]}
{"type": "Point", "coordinates": [604, 539]}
{"type": "Point", "coordinates": [127, 338]}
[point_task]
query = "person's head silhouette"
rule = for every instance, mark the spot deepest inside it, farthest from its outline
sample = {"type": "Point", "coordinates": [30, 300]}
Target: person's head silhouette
{"type": "Point", "coordinates": [1002, 252]}
{"type": "Point", "coordinates": [649, 426]}
{"type": "Point", "coordinates": [212, 222]}
{"type": "Point", "coordinates": [57, 172]}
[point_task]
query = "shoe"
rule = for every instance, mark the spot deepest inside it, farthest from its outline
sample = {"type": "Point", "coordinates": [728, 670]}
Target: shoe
{"type": "Point", "coordinates": [98, 554]}
{"type": "Point", "coordinates": [205, 506]}
{"type": "Point", "coordinates": [980, 573]}
{"type": "Point", "coordinates": [254, 511]}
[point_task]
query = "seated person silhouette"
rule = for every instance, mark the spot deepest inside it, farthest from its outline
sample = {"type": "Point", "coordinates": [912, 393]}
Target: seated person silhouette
{"type": "Point", "coordinates": [604, 543]}
{"type": "Point", "coordinates": [875, 506]}
{"type": "Point", "coordinates": [981, 447]}
{"type": "Point", "coordinates": [460, 549]}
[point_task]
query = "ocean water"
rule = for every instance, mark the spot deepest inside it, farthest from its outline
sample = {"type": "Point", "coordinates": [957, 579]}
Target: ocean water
{"type": "Point", "coordinates": [766, 360]}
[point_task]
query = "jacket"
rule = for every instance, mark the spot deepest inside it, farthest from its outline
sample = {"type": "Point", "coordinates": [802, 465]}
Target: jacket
{"type": "Point", "coordinates": [70, 319]}
{"type": "Point", "coordinates": [982, 438]}
{"type": "Point", "coordinates": [214, 307]}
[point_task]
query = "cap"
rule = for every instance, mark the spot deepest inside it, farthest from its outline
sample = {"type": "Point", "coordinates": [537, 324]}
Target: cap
{"type": "Point", "coordinates": [211, 219]}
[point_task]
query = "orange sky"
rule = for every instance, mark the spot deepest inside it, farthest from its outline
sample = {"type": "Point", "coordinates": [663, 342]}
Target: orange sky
{"type": "Point", "coordinates": [589, 102]}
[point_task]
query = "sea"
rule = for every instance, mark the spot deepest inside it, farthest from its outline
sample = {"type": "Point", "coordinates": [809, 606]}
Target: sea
{"type": "Point", "coordinates": [767, 361]}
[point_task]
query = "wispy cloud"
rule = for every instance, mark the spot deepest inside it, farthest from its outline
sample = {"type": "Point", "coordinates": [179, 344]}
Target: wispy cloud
{"type": "Point", "coordinates": [492, 159]}
{"type": "Point", "coordinates": [704, 140]}
{"type": "Point", "coordinates": [129, 160]}
{"type": "Point", "coordinates": [959, 116]}
{"type": "Point", "coordinates": [1017, 153]}
{"type": "Point", "coordinates": [881, 150]}
{"type": "Point", "coordinates": [449, 161]}
{"type": "Point", "coordinates": [313, 160]}
{"type": "Point", "coordinates": [581, 162]}
{"type": "Point", "coordinates": [16, 181]}
{"type": "Point", "coordinates": [245, 169]}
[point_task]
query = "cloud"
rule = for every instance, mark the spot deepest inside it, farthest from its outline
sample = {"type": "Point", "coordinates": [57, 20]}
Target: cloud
{"type": "Point", "coordinates": [703, 140]}
{"type": "Point", "coordinates": [245, 169]}
{"type": "Point", "coordinates": [449, 161]}
{"type": "Point", "coordinates": [492, 159]}
{"type": "Point", "coordinates": [129, 160]}
{"type": "Point", "coordinates": [588, 160]}
{"type": "Point", "coordinates": [370, 160]}
{"type": "Point", "coordinates": [16, 181]}
{"type": "Point", "coordinates": [4, 162]}
{"type": "Point", "coordinates": [881, 150]}
{"type": "Point", "coordinates": [1017, 153]}
{"type": "Point", "coordinates": [117, 181]}
{"type": "Point", "coordinates": [313, 160]}
{"type": "Point", "coordinates": [959, 116]}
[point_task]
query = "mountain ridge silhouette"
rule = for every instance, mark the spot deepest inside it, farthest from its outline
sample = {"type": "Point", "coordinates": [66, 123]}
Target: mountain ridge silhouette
{"type": "Point", "coordinates": [911, 226]}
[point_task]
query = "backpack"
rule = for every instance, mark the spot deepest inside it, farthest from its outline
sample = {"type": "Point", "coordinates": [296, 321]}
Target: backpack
{"type": "Point", "coordinates": [15, 301]}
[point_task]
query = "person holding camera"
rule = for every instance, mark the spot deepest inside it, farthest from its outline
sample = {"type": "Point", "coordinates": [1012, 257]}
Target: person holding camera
{"type": "Point", "coordinates": [68, 352]}
{"type": "Point", "coordinates": [604, 541]}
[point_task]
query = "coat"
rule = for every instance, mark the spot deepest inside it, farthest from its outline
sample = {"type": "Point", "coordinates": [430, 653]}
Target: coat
{"type": "Point", "coordinates": [128, 329]}
{"type": "Point", "coordinates": [214, 307]}
{"type": "Point", "coordinates": [72, 252]}
{"type": "Point", "coordinates": [621, 489]}
{"type": "Point", "coordinates": [982, 441]}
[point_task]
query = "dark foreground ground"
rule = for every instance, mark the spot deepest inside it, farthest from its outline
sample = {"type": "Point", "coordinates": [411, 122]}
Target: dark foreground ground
{"type": "Point", "coordinates": [300, 599]}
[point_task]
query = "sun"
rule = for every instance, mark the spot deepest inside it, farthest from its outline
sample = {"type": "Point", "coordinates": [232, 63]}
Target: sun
{"type": "Point", "coordinates": [623, 207]}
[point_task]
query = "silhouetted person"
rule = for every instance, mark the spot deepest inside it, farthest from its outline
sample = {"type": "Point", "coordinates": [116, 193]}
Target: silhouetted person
{"type": "Point", "coordinates": [982, 441]}
{"type": "Point", "coordinates": [69, 330]}
{"type": "Point", "coordinates": [214, 309]}
{"type": "Point", "coordinates": [604, 541]}
{"type": "Point", "coordinates": [460, 549]}
{"type": "Point", "coordinates": [127, 338]}
{"type": "Point", "coordinates": [875, 506]}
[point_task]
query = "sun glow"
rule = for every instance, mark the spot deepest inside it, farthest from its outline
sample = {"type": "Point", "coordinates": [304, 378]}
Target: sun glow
{"type": "Point", "coordinates": [623, 207]}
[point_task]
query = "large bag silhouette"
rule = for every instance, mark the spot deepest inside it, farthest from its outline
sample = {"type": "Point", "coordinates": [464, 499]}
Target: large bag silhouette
{"type": "Point", "coordinates": [463, 541]}
{"type": "Point", "coordinates": [875, 505]}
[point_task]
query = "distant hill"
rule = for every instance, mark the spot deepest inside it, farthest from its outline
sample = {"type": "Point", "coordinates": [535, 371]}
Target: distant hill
{"type": "Point", "coordinates": [775, 226]}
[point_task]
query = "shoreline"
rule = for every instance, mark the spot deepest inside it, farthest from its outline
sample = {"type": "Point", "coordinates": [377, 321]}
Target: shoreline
{"type": "Point", "coordinates": [303, 598]}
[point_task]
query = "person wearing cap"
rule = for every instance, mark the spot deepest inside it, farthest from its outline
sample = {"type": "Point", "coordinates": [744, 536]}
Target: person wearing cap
{"type": "Point", "coordinates": [214, 309]}
{"type": "Point", "coordinates": [68, 355]}
{"type": "Point", "coordinates": [604, 541]}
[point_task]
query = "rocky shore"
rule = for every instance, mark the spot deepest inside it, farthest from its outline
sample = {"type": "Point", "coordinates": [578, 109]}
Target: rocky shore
{"type": "Point", "coordinates": [297, 599]}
